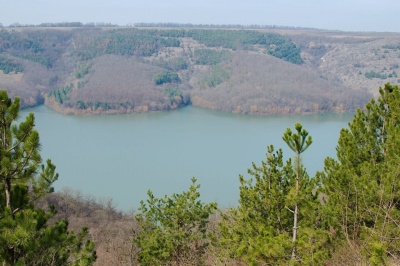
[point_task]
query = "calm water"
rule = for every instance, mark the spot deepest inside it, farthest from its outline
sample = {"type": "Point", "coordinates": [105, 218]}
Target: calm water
{"type": "Point", "coordinates": [122, 156]}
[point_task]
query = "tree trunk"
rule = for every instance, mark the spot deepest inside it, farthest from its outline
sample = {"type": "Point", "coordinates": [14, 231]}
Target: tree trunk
{"type": "Point", "coordinates": [10, 249]}
{"type": "Point", "coordinates": [296, 207]}
{"type": "Point", "coordinates": [8, 192]}
{"type": "Point", "coordinates": [296, 210]}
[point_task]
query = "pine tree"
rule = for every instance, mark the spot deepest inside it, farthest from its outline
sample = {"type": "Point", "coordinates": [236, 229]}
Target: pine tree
{"type": "Point", "coordinates": [362, 185]}
{"type": "Point", "coordinates": [173, 230]}
{"type": "Point", "coordinates": [276, 222]}
{"type": "Point", "coordinates": [25, 236]}
{"type": "Point", "coordinates": [298, 143]}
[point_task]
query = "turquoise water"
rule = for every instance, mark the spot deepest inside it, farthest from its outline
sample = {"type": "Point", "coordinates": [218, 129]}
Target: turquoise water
{"type": "Point", "coordinates": [122, 156]}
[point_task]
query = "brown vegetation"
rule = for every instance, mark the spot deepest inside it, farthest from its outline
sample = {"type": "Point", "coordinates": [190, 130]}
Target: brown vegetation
{"type": "Point", "coordinates": [264, 84]}
{"type": "Point", "coordinates": [107, 73]}
{"type": "Point", "coordinates": [32, 84]}
{"type": "Point", "coordinates": [111, 230]}
{"type": "Point", "coordinates": [134, 86]}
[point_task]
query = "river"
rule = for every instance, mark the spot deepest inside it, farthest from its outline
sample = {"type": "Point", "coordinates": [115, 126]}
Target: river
{"type": "Point", "coordinates": [120, 157]}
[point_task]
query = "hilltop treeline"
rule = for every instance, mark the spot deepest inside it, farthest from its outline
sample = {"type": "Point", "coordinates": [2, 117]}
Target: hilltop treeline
{"type": "Point", "coordinates": [76, 24]}
{"type": "Point", "coordinates": [118, 70]}
{"type": "Point", "coordinates": [152, 25]}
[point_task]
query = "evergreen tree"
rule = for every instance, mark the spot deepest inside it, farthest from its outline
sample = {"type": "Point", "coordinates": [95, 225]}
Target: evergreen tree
{"type": "Point", "coordinates": [25, 236]}
{"type": "Point", "coordinates": [362, 185]}
{"type": "Point", "coordinates": [277, 220]}
{"type": "Point", "coordinates": [298, 143]}
{"type": "Point", "coordinates": [173, 230]}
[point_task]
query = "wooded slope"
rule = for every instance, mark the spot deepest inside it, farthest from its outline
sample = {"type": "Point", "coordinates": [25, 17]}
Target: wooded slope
{"type": "Point", "coordinates": [263, 71]}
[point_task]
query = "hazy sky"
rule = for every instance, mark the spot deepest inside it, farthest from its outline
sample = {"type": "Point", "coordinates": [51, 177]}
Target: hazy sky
{"type": "Point", "coordinates": [350, 15]}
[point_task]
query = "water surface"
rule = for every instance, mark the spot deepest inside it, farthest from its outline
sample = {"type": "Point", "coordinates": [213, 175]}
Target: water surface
{"type": "Point", "coordinates": [122, 156]}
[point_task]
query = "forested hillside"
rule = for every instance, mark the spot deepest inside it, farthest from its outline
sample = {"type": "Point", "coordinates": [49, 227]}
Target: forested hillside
{"type": "Point", "coordinates": [119, 70]}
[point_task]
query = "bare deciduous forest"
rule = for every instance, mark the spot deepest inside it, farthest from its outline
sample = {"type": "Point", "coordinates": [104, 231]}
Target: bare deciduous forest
{"type": "Point", "coordinates": [261, 71]}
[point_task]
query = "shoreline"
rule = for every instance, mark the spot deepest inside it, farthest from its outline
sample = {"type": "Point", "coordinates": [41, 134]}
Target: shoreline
{"type": "Point", "coordinates": [83, 112]}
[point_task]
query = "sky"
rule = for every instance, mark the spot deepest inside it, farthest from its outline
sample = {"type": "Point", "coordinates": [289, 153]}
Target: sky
{"type": "Point", "coordinates": [346, 15]}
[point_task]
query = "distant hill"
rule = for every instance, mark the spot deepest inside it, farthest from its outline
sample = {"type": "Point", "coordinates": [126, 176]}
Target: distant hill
{"type": "Point", "coordinates": [256, 71]}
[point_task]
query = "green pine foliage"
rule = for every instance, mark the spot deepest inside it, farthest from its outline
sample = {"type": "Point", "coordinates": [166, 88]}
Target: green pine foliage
{"type": "Point", "coordinates": [7, 65]}
{"type": "Point", "coordinates": [362, 185]}
{"type": "Point", "coordinates": [275, 44]}
{"type": "Point", "coordinates": [43, 47]}
{"type": "Point", "coordinates": [372, 75]}
{"type": "Point", "coordinates": [123, 42]}
{"type": "Point", "coordinates": [82, 70]}
{"type": "Point", "coordinates": [62, 95]}
{"type": "Point", "coordinates": [173, 230]}
{"type": "Point", "coordinates": [209, 56]}
{"type": "Point", "coordinates": [166, 77]}
{"type": "Point", "coordinates": [260, 230]}
{"type": "Point", "coordinates": [392, 46]}
{"type": "Point", "coordinates": [26, 237]}
{"type": "Point", "coordinates": [298, 143]}
{"type": "Point", "coordinates": [174, 95]}
{"type": "Point", "coordinates": [174, 64]}
{"type": "Point", "coordinates": [146, 42]}
{"type": "Point", "coordinates": [218, 75]}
